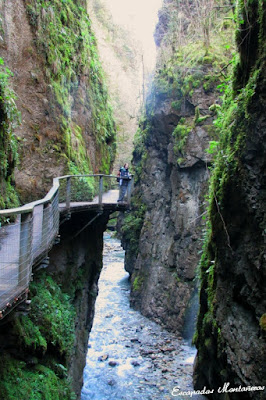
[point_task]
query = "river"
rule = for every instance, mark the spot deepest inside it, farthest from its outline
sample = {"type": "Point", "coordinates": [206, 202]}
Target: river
{"type": "Point", "coordinates": [129, 356]}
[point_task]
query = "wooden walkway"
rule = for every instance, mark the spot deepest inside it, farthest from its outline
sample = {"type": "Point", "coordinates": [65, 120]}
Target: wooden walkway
{"type": "Point", "coordinates": [27, 241]}
{"type": "Point", "coordinates": [109, 201]}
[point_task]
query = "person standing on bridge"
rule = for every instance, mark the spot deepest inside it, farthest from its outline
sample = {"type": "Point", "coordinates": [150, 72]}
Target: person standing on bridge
{"type": "Point", "coordinates": [123, 177]}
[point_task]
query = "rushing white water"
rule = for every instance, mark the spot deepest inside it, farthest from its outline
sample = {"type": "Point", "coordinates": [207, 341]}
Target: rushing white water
{"type": "Point", "coordinates": [129, 356]}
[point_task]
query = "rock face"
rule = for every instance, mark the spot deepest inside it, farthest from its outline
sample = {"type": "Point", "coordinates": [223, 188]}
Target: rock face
{"type": "Point", "coordinates": [76, 264]}
{"type": "Point", "coordinates": [58, 85]}
{"type": "Point", "coordinates": [52, 337]}
{"type": "Point", "coordinates": [231, 325]}
{"type": "Point", "coordinates": [172, 173]}
{"type": "Point", "coordinates": [66, 128]}
{"type": "Point", "coordinates": [169, 241]}
{"type": "Point", "coordinates": [121, 55]}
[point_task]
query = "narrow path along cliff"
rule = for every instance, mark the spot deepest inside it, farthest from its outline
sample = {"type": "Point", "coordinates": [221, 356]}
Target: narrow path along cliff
{"type": "Point", "coordinates": [129, 356]}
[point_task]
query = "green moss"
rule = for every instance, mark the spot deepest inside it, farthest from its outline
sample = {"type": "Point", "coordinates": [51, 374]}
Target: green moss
{"type": "Point", "coordinates": [198, 118]}
{"type": "Point", "coordinates": [46, 334]}
{"type": "Point", "coordinates": [214, 108]}
{"type": "Point", "coordinates": [65, 38]}
{"type": "Point", "coordinates": [36, 383]}
{"type": "Point", "coordinates": [176, 105]}
{"type": "Point", "coordinates": [180, 135]}
{"type": "Point", "coordinates": [53, 313]}
{"type": "Point", "coordinates": [133, 223]}
{"type": "Point", "coordinates": [236, 121]}
{"type": "Point", "coordinates": [9, 119]}
{"type": "Point", "coordinates": [190, 66]}
{"type": "Point", "coordinates": [263, 322]}
{"type": "Point", "coordinates": [29, 335]}
{"type": "Point", "coordinates": [137, 283]}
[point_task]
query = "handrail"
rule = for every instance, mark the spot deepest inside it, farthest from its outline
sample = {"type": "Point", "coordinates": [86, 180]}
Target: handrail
{"type": "Point", "coordinates": [27, 241]}
{"type": "Point", "coordinates": [29, 206]}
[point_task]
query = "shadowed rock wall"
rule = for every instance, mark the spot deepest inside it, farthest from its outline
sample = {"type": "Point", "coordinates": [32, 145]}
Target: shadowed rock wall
{"type": "Point", "coordinates": [76, 264]}
{"type": "Point", "coordinates": [231, 325]}
{"type": "Point", "coordinates": [46, 346]}
{"type": "Point", "coordinates": [164, 236]}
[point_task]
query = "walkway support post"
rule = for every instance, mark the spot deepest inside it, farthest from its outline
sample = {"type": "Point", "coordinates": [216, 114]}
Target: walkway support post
{"type": "Point", "coordinates": [101, 190]}
{"type": "Point", "coordinates": [25, 249]}
{"type": "Point", "coordinates": [45, 226]}
{"type": "Point", "coordinates": [68, 193]}
{"type": "Point", "coordinates": [129, 190]}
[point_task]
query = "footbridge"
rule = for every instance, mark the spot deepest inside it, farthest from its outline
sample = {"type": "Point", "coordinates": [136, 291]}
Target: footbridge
{"type": "Point", "coordinates": [27, 233]}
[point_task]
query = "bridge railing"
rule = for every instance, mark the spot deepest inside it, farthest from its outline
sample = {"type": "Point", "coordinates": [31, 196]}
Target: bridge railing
{"type": "Point", "coordinates": [91, 188]}
{"type": "Point", "coordinates": [27, 240]}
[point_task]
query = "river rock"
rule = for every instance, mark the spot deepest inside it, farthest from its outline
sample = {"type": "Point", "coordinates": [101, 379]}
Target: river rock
{"type": "Point", "coordinates": [113, 363]}
{"type": "Point", "coordinates": [104, 357]}
{"type": "Point", "coordinates": [135, 363]}
{"type": "Point", "coordinates": [112, 382]}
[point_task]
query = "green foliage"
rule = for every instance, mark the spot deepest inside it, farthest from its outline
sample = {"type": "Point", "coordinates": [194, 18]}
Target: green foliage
{"type": "Point", "coordinates": [53, 313]}
{"type": "Point", "coordinates": [187, 65]}
{"type": "Point", "coordinates": [140, 151]}
{"type": "Point", "coordinates": [9, 119]}
{"type": "Point", "coordinates": [180, 135]}
{"type": "Point", "coordinates": [37, 383]}
{"type": "Point", "coordinates": [47, 332]}
{"type": "Point", "coordinates": [232, 123]}
{"type": "Point", "coordinates": [263, 322]}
{"type": "Point", "coordinates": [235, 121]}
{"type": "Point", "coordinates": [51, 320]}
{"type": "Point", "coordinates": [213, 147]}
{"type": "Point", "coordinates": [83, 189]}
{"type": "Point", "coordinates": [65, 37]}
{"type": "Point", "coordinates": [133, 223]}
{"type": "Point", "coordinates": [29, 335]}
{"type": "Point", "coordinates": [137, 283]}
{"type": "Point", "coordinates": [198, 118]}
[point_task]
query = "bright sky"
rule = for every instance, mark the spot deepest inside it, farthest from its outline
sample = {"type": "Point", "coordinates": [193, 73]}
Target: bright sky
{"type": "Point", "coordinates": [140, 18]}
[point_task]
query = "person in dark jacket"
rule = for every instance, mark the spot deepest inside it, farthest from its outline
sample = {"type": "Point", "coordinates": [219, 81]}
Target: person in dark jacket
{"type": "Point", "coordinates": [124, 177]}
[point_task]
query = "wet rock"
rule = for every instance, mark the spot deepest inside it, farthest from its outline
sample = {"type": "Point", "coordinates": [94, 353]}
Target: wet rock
{"type": "Point", "coordinates": [135, 363]}
{"type": "Point", "coordinates": [104, 357]}
{"type": "Point", "coordinates": [113, 363]}
{"type": "Point", "coordinates": [135, 340]}
{"type": "Point", "coordinates": [167, 349]}
{"type": "Point", "coordinates": [146, 352]}
{"type": "Point", "coordinates": [138, 354]}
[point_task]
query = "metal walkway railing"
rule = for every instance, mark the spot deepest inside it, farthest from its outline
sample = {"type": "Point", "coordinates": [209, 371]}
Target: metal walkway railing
{"type": "Point", "coordinates": [27, 240]}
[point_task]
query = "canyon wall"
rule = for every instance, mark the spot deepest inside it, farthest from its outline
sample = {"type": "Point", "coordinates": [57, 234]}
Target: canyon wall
{"type": "Point", "coordinates": [45, 347]}
{"type": "Point", "coordinates": [55, 119]}
{"type": "Point", "coordinates": [231, 325]}
{"type": "Point", "coordinates": [120, 54]}
{"type": "Point", "coordinates": [50, 64]}
{"type": "Point", "coordinates": [163, 235]}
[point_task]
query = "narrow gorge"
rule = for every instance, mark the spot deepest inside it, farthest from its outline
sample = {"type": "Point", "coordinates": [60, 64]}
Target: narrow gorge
{"type": "Point", "coordinates": [194, 234]}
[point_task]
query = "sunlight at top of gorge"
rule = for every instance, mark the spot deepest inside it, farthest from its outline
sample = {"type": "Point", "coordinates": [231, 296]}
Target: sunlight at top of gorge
{"type": "Point", "coordinates": [138, 17]}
